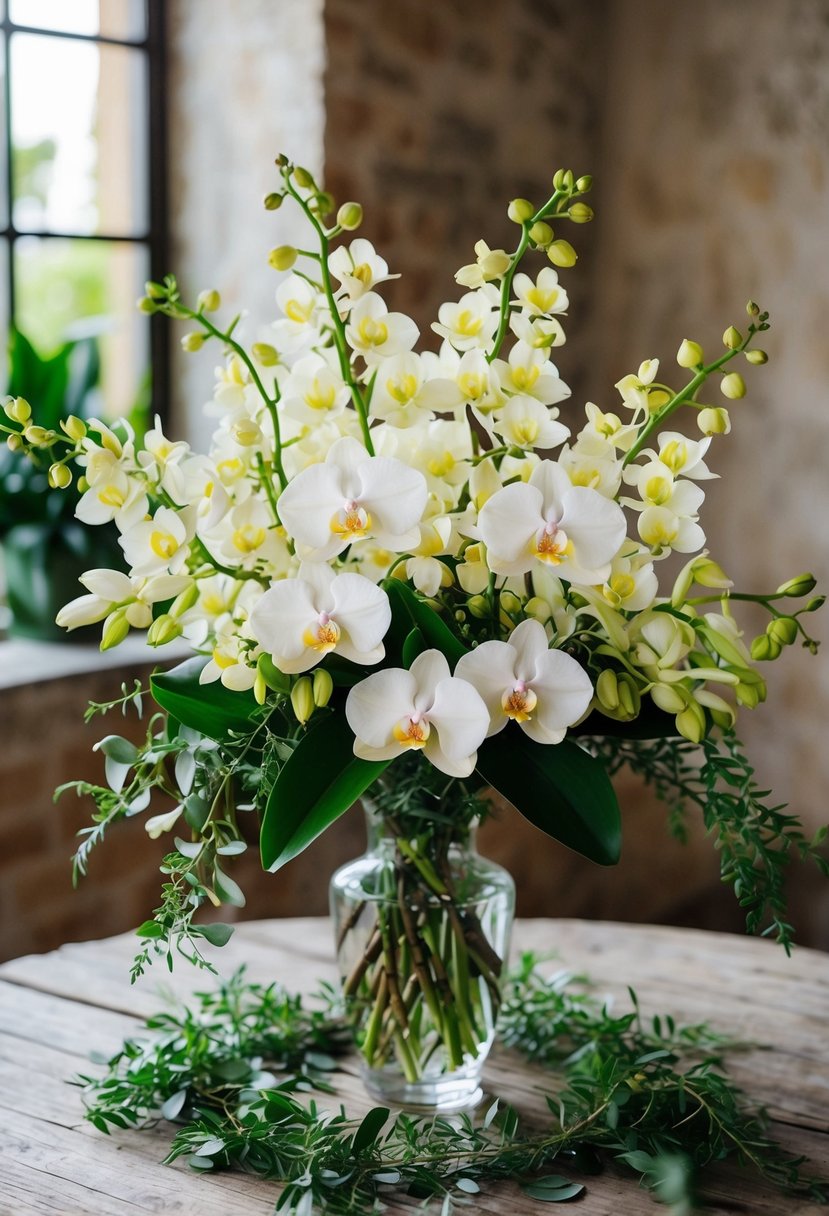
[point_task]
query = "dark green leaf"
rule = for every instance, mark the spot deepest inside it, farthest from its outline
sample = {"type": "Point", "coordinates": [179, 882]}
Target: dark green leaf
{"type": "Point", "coordinates": [369, 1129]}
{"type": "Point", "coordinates": [561, 789]}
{"type": "Point", "coordinates": [414, 645]}
{"type": "Point", "coordinates": [436, 633]}
{"type": "Point", "coordinates": [211, 709]}
{"type": "Point", "coordinates": [117, 749]}
{"type": "Point", "coordinates": [317, 784]}
{"type": "Point", "coordinates": [553, 1189]}
{"type": "Point", "coordinates": [217, 934]}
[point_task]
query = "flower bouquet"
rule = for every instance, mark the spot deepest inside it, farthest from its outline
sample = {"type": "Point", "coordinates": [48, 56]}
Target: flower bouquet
{"type": "Point", "coordinates": [413, 577]}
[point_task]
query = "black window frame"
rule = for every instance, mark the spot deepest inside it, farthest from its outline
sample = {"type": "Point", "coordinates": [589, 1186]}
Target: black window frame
{"type": "Point", "coordinates": [155, 238]}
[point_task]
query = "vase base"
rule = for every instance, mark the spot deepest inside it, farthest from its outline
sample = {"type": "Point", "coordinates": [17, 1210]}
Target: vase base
{"type": "Point", "coordinates": [460, 1090]}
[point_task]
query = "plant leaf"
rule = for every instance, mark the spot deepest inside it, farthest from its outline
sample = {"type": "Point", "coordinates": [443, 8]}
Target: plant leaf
{"type": "Point", "coordinates": [318, 783]}
{"type": "Point", "coordinates": [561, 789]}
{"type": "Point", "coordinates": [217, 934]}
{"type": "Point", "coordinates": [436, 633]}
{"type": "Point", "coordinates": [211, 709]}
{"type": "Point", "coordinates": [369, 1129]}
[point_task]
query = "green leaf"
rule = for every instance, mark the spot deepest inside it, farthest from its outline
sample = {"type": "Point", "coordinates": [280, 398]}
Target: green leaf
{"type": "Point", "coordinates": [414, 645]}
{"type": "Point", "coordinates": [369, 1129]}
{"type": "Point", "coordinates": [561, 789]}
{"type": "Point", "coordinates": [552, 1189]}
{"type": "Point", "coordinates": [317, 784]}
{"type": "Point", "coordinates": [117, 749]}
{"type": "Point", "coordinates": [228, 891]}
{"type": "Point", "coordinates": [217, 934]}
{"type": "Point", "coordinates": [436, 633]}
{"type": "Point", "coordinates": [211, 709]}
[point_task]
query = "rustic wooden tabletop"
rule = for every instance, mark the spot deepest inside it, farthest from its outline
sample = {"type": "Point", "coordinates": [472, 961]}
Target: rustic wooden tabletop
{"type": "Point", "coordinates": [57, 1008]}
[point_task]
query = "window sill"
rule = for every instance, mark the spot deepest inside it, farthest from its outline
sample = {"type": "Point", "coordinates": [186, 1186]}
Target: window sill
{"type": "Point", "coordinates": [24, 661]}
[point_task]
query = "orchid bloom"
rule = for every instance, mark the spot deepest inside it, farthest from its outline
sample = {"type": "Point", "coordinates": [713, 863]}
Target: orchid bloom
{"type": "Point", "coordinates": [549, 520]}
{"type": "Point", "coordinates": [523, 681]}
{"type": "Point", "coordinates": [351, 495]}
{"type": "Point", "coordinates": [375, 333]}
{"type": "Point", "coordinates": [301, 620]}
{"type": "Point", "coordinates": [425, 708]}
{"type": "Point", "coordinates": [358, 268]}
{"type": "Point", "coordinates": [113, 589]}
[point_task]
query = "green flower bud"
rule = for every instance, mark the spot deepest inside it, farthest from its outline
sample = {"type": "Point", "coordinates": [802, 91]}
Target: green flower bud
{"type": "Point", "coordinates": [272, 201]}
{"type": "Point", "coordinates": [541, 234]}
{"type": "Point", "coordinates": [260, 688]}
{"type": "Point", "coordinates": [509, 602]}
{"type": "Point", "coordinates": [14, 443]}
{"type": "Point", "coordinates": [764, 649]}
{"type": "Point", "coordinates": [283, 257]}
{"type": "Point", "coordinates": [59, 477]}
{"type": "Point", "coordinates": [757, 356]}
{"type": "Point", "coordinates": [520, 210]}
{"type": "Point", "coordinates": [184, 601]}
{"type": "Point", "coordinates": [714, 420]}
{"type": "Point", "coordinates": [303, 178]}
{"type": "Point", "coordinates": [208, 301]}
{"type": "Point", "coordinates": [801, 584]}
{"type": "Point", "coordinates": [324, 203]}
{"type": "Point", "coordinates": [559, 178]}
{"type": "Point", "coordinates": [37, 436]}
{"type": "Point", "coordinates": [607, 689]}
{"type": "Point", "coordinates": [584, 184]}
{"type": "Point", "coordinates": [709, 573]}
{"type": "Point", "coordinates": [752, 309]}
{"type": "Point", "coordinates": [817, 602]}
{"type": "Point", "coordinates": [20, 410]}
{"type": "Point", "coordinates": [145, 304]}
{"type": "Point", "coordinates": [74, 427]}
{"type": "Point", "coordinates": [750, 695]}
{"type": "Point", "coordinates": [561, 253]}
{"type": "Point", "coordinates": [580, 213]}
{"type": "Point", "coordinates": [192, 342]}
{"type": "Point", "coordinates": [116, 628]}
{"type": "Point", "coordinates": [163, 630]}
{"type": "Point", "coordinates": [784, 630]}
{"type": "Point", "coordinates": [691, 722]}
{"type": "Point", "coordinates": [302, 699]}
{"type": "Point", "coordinates": [478, 605]}
{"type": "Point", "coordinates": [669, 698]}
{"type": "Point", "coordinates": [569, 180]}
{"type": "Point", "coordinates": [460, 615]}
{"type": "Point", "coordinates": [265, 354]}
{"type": "Point", "coordinates": [689, 353]}
{"type": "Point", "coordinates": [538, 608]}
{"type": "Point", "coordinates": [732, 338]}
{"type": "Point", "coordinates": [350, 216]}
{"type": "Point", "coordinates": [156, 291]}
{"type": "Point", "coordinates": [630, 701]}
{"type": "Point", "coordinates": [733, 386]}
{"type": "Point", "coordinates": [83, 485]}
{"type": "Point", "coordinates": [323, 687]}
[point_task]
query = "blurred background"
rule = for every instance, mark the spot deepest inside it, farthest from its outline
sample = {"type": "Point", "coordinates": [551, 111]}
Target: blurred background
{"type": "Point", "coordinates": [136, 138]}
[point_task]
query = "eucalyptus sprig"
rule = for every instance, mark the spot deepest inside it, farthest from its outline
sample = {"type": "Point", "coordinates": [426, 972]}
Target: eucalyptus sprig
{"type": "Point", "coordinates": [649, 1094]}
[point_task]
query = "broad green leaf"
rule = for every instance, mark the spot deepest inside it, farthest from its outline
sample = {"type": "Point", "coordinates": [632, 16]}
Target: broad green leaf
{"type": "Point", "coordinates": [318, 783]}
{"type": "Point", "coordinates": [369, 1129]}
{"type": "Point", "coordinates": [217, 934]}
{"type": "Point", "coordinates": [414, 645]}
{"type": "Point", "coordinates": [561, 789]}
{"type": "Point", "coordinates": [211, 709]}
{"type": "Point", "coordinates": [228, 889]}
{"type": "Point", "coordinates": [118, 749]}
{"type": "Point", "coordinates": [553, 1189]}
{"type": "Point", "coordinates": [436, 633]}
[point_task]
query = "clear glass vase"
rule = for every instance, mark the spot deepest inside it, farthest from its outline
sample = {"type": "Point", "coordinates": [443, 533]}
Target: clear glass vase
{"type": "Point", "coordinates": [422, 926]}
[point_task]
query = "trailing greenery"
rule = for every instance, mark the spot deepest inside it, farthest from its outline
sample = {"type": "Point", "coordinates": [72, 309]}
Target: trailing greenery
{"type": "Point", "coordinates": [756, 840]}
{"type": "Point", "coordinates": [234, 1070]}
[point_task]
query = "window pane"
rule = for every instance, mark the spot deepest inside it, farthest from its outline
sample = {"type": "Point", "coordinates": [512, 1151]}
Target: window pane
{"type": "Point", "coordinates": [4, 301]}
{"type": "Point", "coordinates": [4, 202]}
{"type": "Point", "coordinates": [80, 146]}
{"type": "Point", "coordinates": [69, 289]}
{"type": "Point", "coordinates": [112, 18]}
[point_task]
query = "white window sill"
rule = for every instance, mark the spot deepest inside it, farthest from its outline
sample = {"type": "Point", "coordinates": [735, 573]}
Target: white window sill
{"type": "Point", "coordinates": [24, 661]}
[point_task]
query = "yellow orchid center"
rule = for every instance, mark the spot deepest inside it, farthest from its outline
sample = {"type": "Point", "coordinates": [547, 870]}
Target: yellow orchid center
{"type": "Point", "coordinates": [473, 385]}
{"type": "Point", "coordinates": [657, 490]}
{"type": "Point", "coordinates": [519, 702]}
{"type": "Point", "coordinates": [363, 274]}
{"type": "Point", "coordinates": [586, 475]}
{"type": "Point", "coordinates": [248, 538]}
{"type": "Point", "coordinates": [111, 496]}
{"type": "Point", "coordinates": [323, 636]}
{"type": "Point", "coordinates": [674, 455]}
{"type": "Point", "coordinates": [352, 522]}
{"type": "Point", "coordinates": [222, 659]}
{"type": "Point", "coordinates": [542, 300]}
{"type": "Point", "coordinates": [551, 545]}
{"type": "Point", "coordinates": [412, 732]}
{"type": "Point", "coordinates": [524, 378]}
{"type": "Point", "coordinates": [403, 389]}
{"type": "Point", "coordinates": [467, 323]}
{"type": "Point", "coordinates": [441, 466]}
{"type": "Point", "coordinates": [618, 588]}
{"type": "Point", "coordinates": [163, 544]}
{"type": "Point", "coordinates": [372, 333]}
{"type": "Point", "coordinates": [214, 605]}
{"type": "Point", "coordinates": [525, 431]}
{"type": "Point", "coordinates": [230, 470]}
{"type": "Point", "coordinates": [299, 313]}
{"type": "Point", "coordinates": [319, 397]}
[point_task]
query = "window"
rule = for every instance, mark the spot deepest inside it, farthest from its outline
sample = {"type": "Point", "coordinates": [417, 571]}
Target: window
{"type": "Point", "coordinates": [82, 195]}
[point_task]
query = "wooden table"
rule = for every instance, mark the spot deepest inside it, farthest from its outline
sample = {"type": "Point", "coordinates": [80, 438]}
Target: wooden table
{"type": "Point", "coordinates": [57, 1008]}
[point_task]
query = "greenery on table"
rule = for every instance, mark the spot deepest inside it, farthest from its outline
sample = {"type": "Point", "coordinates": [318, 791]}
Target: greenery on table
{"type": "Point", "coordinates": [234, 1071]}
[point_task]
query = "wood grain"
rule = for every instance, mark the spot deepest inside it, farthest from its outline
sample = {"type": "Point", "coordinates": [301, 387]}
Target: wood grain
{"type": "Point", "coordinates": [57, 1008]}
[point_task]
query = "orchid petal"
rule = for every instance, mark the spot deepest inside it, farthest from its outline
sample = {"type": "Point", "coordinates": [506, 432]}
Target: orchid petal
{"type": "Point", "coordinates": [461, 718]}
{"type": "Point", "coordinates": [394, 494]}
{"type": "Point", "coordinates": [361, 609]}
{"type": "Point", "coordinates": [564, 692]}
{"type": "Point", "coordinates": [490, 669]}
{"type": "Point", "coordinates": [111, 585]}
{"type": "Point", "coordinates": [378, 703]}
{"type": "Point", "coordinates": [508, 521]}
{"type": "Point", "coordinates": [428, 669]}
{"type": "Point", "coordinates": [309, 502]}
{"type": "Point", "coordinates": [280, 618]}
{"type": "Point", "coordinates": [452, 766]}
{"type": "Point", "coordinates": [596, 525]}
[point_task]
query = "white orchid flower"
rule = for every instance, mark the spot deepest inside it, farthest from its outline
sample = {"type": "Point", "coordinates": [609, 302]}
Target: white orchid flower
{"type": "Point", "coordinates": [302, 307]}
{"type": "Point", "coordinates": [471, 322]}
{"type": "Point", "coordinates": [489, 264]}
{"type": "Point", "coordinates": [683, 456]}
{"type": "Point", "coordinates": [313, 391]}
{"type": "Point", "coordinates": [113, 589]}
{"type": "Point", "coordinates": [114, 497]}
{"type": "Point", "coordinates": [549, 520]}
{"type": "Point", "coordinates": [540, 333]}
{"type": "Point", "coordinates": [301, 620]}
{"type": "Point", "coordinates": [528, 371]}
{"type": "Point", "coordinates": [159, 451]}
{"type": "Point", "coordinates": [542, 297]}
{"type": "Point", "coordinates": [165, 822]}
{"type": "Point", "coordinates": [233, 658]}
{"type": "Point", "coordinates": [609, 427]}
{"type": "Point", "coordinates": [375, 333]}
{"type": "Point", "coordinates": [525, 423]}
{"type": "Point", "coordinates": [158, 545]}
{"type": "Point", "coordinates": [405, 396]}
{"type": "Point", "coordinates": [523, 681]}
{"type": "Point", "coordinates": [351, 495]}
{"type": "Point", "coordinates": [425, 708]}
{"type": "Point", "coordinates": [592, 462]}
{"type": "Point", "coordinates": [425, 571]}
{"type": "Point", "coordinates": [358, 268]}
{"type": "Point", "coordinates": [634, 389]}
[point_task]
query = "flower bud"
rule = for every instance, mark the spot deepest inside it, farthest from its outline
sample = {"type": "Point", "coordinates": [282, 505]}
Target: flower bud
{"type": "Point", "coordinates": [538, 608]}
{"type": "Point", "coordinates": [350, 216]}
{"type": "Point", "coordinates": [192, 342]}
{"type": "Point", "coordinates": [323, 204]}
{"type": "Point", "coordinates": [145, 304]}
{"type": "Point", "coordinates": [561, 253]}
{"type": "Point", "coordinates": [272, 201]}
{"type": "Point", "coordinates": [265, 354]}
{"type": "Point", "coordinates": [509, 602]}
{"type": "Point", "coordinates": [116, 628]}
{"type": "Point", "coordinates": [14, 443]}
{"type": "Point", "coordinates": [783, 630]}
{"type": "Point", "coordinates": [260, 688]}
{"type": "Point", "coordinates": [691, 722]}
{"type": "Point", "coordinates": [757, 356]}
{"type": "Point", "coordinates": [541, 234]}
{"type": "Point", "coordinates": [208, 301]}
{"type": "Point", "coordinates": [36, 435]}
{"type": "Point", "coordinates": [765, 648]}
{"type": "Point", "coordinates": [802, 584]}
{"type": "Point", "coordinates": [750, 694]}
{"type": "Point", "coordinates": [668, 698]}
{"type": "Point", "coordinates": [752, 309]}
{"type": "Point", "coordinates": [732, 338]}
{"type": "Point", "coordinates": [733, 386]}
{"type": "Point", "coordinates": [709, 573]}
{"type": "Point", "coordinates": [689, 353]}
{"type": "Point", "coordinates": [607, 689]}
{"type": "Point", "coordinates": [479, 607]}
{"type": "Point", "coordinates": [580, 213]}
{"type": "Point", "coordinates": [303, 178]}
{"type": "Point", "coordinates": [83, 485]}
{"type": "Point", "coordinates": [156, 291]}
{"type": "Point", "coordinates": [630, 700]}
{"type": "Point", "coordinates": [74, 427]}
{"type": "Point", "coordinates": [163, 630]}
{"type": "Point", "coordinates": [302, 699]}
{"type": "Point", "coordinates": [323, 687]}
{"type": "Point", "coordinates": [184, 601]}
{"type": "Point", "coordinates": [815, 604]}
{"type": "Point", "coordinates": [520, 210]}
{"type": "Point", "coordinates": [714, 420]}
{"type": "Point", "coordinates": [283, 257]}
{"type": "Point", "coordinates": [59, 477]}
{"type": "Point", "coordinates": [584, 184]}
{"type": "Point", "coordinates": [559, 178]}
{"type": "Point", "coordinates": [20, 410]}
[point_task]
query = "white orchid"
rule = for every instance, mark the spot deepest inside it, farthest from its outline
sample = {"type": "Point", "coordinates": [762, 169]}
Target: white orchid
{"type": "Point", "coordinates": [425, 708]}
{"type": "Point", "coordinates": [111, 589]}
{"type": "Point", "coordinates": [522, 680]}
{"type": "Point", "coordinates": [529, 372]}
{"type": "Point", "coordinates": [158, 545]}
{"type": "Point", "coordinates": [423, 568]}
{"type": "Point", "coordinates": [351, 495]}
{"type": "Point", "coordinates": [302, 306]}
{"type": "Point", "coordinates": [314, 391]}
{"type": "Point", "coordinates": [375, 333]}
{"type": "Point", "coordinates": [540, 333]}
{"type": "Point", "coordinates": [471, 322]}
{"type": "Point", "coordinates": [525, 423]}
{"type": "Point", "coordinates": [489, 264]}
{"type": "Point", "coordinates": [116, 498]}
{"type": "Point", "coordinates": [541, 297]}
{"type": "Point", "coordinates": [634, 389]}
{"type": "Point", "coordinates": [549, 520]}
{"type": "Point", "coordinates": [358, 268]}
{"type": "Point", "coordinates": [300, 620]}
{"type": "Point", "coordinates": [404, 396]}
